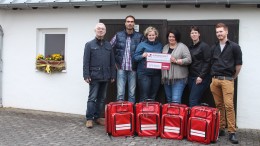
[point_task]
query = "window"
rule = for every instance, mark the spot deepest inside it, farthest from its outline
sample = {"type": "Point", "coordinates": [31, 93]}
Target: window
{"type": "Point", "coordinates": [51, 52]}
{"type": "Point", "coordinates": [51, 41]}
{"type": "Point", "coordinates": [54, 44]}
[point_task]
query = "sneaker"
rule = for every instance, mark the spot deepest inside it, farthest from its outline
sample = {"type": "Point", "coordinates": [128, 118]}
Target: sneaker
{"type": "Point", "coordinates": [222, 132]}
{"type": "Point", "coordinates": [89, 123]}
{"type": "Point", "coordinates": [100, 121]}
{"type": "Point", "coordinates": [232, 138]}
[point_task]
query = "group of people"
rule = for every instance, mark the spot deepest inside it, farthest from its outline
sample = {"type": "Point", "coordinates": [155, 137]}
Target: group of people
{"type": "Point", "coordinates": [123, 60]}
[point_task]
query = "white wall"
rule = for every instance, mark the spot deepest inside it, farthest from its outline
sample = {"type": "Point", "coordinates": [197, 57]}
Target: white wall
{"type": "Point", "coordinates": [23, 87]}
{"type": "Point", "coordinates": [1, 16]}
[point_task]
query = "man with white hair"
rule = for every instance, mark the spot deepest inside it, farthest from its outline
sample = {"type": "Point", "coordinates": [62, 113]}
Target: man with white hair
{"type": "Point", "coordinates": [98, 70]}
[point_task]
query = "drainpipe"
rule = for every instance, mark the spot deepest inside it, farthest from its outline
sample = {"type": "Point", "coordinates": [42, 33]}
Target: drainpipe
{"type": "Point", "coordinates": [1, 65]}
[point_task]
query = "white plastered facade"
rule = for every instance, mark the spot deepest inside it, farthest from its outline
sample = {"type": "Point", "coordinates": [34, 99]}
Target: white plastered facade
{"type": "Point", "coordinates": [24, 87]}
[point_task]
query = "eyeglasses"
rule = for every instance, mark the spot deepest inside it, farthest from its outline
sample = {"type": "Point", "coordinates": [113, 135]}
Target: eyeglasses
{"type": "Point", "coordinates": [101, 28]}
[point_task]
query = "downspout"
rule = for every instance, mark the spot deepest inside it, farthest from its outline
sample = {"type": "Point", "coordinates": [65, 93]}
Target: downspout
{"type": "Point", "coordinates": [1, 65]}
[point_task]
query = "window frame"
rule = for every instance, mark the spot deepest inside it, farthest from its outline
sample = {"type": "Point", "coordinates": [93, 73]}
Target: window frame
{"type": "Point", "coordinates": [41, 40]}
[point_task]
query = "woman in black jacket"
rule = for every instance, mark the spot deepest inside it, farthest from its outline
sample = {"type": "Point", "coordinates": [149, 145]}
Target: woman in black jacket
{"type": "Point", "coordinates": [199, 70]}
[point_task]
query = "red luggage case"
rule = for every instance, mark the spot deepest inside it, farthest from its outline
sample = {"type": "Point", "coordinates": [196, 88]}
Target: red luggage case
{"type": "Point", "coordinates": [119, 118]}
{"type": "Point", "coordinates": [174, 121]}
{"type": "Point", "coordinates": [203, 125]}
{"type": "Point", "coordinates": [148, 119]}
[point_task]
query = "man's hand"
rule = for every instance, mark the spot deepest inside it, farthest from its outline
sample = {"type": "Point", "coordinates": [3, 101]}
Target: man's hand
{"type": "Point", "coordinates": [238, 68]}
{"type": "Point", "coordinates": [88, 80]}
{"type": "Point", "coordinates": [112, 80]}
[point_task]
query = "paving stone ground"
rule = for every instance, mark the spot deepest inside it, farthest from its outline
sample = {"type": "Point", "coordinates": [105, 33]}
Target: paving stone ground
{"type": "Point", "coordinates": [20, 127]}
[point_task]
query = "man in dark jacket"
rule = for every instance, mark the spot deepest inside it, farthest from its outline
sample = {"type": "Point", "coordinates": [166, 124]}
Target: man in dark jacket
{"type": "Point", "coordinates": [124, 44]}
{"type": "Point", "coordinates": [98, 70]}
{"type": "Point", "coordinates": [226, 65]}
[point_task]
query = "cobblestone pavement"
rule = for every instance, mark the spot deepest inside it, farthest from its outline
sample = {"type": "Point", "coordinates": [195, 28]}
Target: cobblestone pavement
{"type": "Point", "coordinates": [37, 128]}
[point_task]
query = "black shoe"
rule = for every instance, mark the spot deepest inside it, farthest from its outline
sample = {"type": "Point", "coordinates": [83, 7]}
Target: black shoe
{"type": "Point", "coordinates": [232, 138]}
{"type": "Point", "coordinates": [222, 132]}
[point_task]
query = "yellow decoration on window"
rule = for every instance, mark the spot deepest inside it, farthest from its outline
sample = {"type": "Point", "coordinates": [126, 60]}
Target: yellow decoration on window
{"type": "Point", "coordinates": [54, 63]}
{"type": "Point", "coordinates": [48, 70]}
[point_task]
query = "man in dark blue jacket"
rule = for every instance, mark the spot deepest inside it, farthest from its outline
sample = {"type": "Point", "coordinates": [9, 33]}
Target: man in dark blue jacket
{"type": "Point", "coordinates": [98, 70]}
{"type": "Point", "coordinates": [124, 44]}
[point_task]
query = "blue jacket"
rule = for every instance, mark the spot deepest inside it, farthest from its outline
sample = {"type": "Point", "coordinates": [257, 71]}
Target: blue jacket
{"type": "Point", "coordinates": [146, 46]}
{"type": "Point", "coordinates": [99, 61]}
{"type": "Point", "coordinates": [120, 45]}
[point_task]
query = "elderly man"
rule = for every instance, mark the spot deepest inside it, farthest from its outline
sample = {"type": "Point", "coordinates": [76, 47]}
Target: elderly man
{"type": "Point", "coordinates": [98, 70]}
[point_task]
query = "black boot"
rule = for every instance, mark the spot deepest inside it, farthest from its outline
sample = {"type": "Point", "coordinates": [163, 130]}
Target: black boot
{"type": "Point", "coordinates": [222, 132]}
{"type": "Point", "coordinates": [232, 138]}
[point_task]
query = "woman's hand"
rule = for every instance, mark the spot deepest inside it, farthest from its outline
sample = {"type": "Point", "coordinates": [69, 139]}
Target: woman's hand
{"type": "Point", "coordinates": [198, 80]}
{"type": "Point", "coordinates": [173, 60]}
{"type": "Point", "coordinates": [144, 55]}
{"type": "Point", "coordinates": [176, 61]}
{"type": "Point", "coordinates": [179, 61]}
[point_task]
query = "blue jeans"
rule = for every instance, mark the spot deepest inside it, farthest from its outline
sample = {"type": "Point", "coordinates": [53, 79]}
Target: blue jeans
{"type": "Point", "coordinates": [96, 99]}
{"type": "Point", "coordinates": [148, 86]}
{"type": "Point", "coordinates": [196, 91]}
{"type": "Point", "coordinates": [122, 77]}
{"type": "Point", "coordinates": [174, 91]}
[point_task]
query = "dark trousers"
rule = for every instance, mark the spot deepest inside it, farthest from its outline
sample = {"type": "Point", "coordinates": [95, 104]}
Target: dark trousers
{"type": "Point", "coordinates": [148, 86]}
{"type": "Point", "coordinates": [96, 99]}
{"type": "Point", "coordinates": [196, 91]}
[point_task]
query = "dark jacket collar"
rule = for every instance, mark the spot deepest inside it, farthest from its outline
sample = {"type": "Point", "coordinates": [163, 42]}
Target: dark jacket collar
{"type": "Point", "coordinates": [195, 45]}
{"type": "Point", "coordinates": [129, 34]}
{"type": "Point", "coordinates": [227, 42]}
{"type": "Point", "coordinates": [99, 41]}
{"type": "Point", "coordinates": [152, 43]}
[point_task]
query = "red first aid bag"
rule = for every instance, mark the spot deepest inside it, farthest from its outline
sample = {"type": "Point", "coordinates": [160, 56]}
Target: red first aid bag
{"type": "Point", "coordinates": [119, 118]}
{"type": "Point", "coordinates": [174, 121]}
{"type": "Point", "coordinates": [148, 118]}
{"type": "Point", "coordinates": [203, 124]}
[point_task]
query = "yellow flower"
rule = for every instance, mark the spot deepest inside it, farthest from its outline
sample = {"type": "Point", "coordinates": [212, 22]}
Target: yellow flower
{"type": "Point", "coordinates": [40, 56]}
{"type": "Point", "coordinates": [49, 64]}
{"type": "Point", "coordinates": [56, 57]}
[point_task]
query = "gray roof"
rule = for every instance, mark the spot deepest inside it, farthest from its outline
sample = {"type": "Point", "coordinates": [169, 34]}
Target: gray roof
{"type": "Point", "coordinates": [27, 4]}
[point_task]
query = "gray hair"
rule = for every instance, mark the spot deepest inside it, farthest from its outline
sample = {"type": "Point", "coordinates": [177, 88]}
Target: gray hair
{"type": "Point", "coordinates": [100, 25]}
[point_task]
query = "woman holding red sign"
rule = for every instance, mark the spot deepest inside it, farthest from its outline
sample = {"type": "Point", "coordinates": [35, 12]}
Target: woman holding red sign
{"type": "Point", "coordinates": [148, 79]}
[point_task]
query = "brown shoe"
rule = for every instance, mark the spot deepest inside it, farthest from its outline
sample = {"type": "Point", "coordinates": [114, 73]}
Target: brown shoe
{"type": "Point", "coordinates": [89, 123]}
{"type": "Point", "coordinates": [100, 121]}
